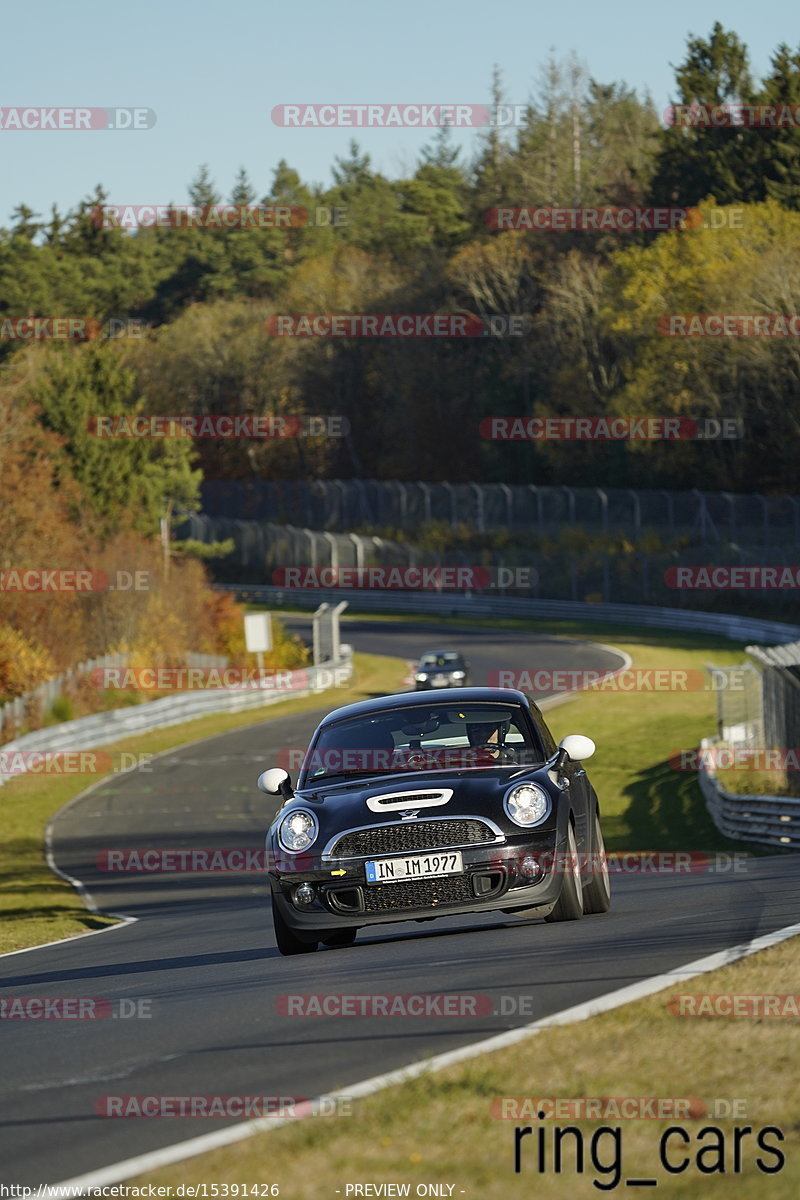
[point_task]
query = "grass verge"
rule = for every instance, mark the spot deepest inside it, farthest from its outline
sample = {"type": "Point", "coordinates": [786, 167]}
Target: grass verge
{"type": "Point", "coordinates": [440, 1128]}
{"type": "Point", "coordinates": [37, 906]}
{"type": "Point", "coordinates": [645, 803]}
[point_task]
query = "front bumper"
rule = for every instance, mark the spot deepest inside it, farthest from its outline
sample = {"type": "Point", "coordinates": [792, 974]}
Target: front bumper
{"type": "Point", "coordinates": [493, 879]}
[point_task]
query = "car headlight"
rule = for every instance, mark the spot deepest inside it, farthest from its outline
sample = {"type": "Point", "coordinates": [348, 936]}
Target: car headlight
{"type": "Point", "coordinates": [527, 804]}
{"type": "Point", "coordinates": [422, 676]}
{"type": "Point", "coordinates": [458, 674]}
{"type": "Point", "coordinates": [298, 830]}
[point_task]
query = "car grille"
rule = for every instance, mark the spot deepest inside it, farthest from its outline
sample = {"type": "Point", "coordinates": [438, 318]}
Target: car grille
{"type": "Point", "coordinates": [417, 893]}
{"type": "Point", "coordinates": [408, 836]}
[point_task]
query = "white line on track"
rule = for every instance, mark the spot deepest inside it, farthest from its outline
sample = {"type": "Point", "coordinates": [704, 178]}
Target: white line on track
{"type": "Point", "coordinates": [180, 1151]}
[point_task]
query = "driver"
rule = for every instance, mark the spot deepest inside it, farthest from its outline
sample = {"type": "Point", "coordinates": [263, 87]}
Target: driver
{"type": "Point", "coordinates": [488, 738]}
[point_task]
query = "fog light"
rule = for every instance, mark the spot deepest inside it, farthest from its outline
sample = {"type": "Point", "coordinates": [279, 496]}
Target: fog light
{"type": "Point", "coordinates": [304, 894]}
{"type": "Point", "coordinates": [529, 867]}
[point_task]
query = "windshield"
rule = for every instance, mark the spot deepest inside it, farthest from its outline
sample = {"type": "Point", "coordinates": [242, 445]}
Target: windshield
{"type": "Point", "coordinates": [447, 659]}
{"type": "Point", "coordinates": [430, 738]}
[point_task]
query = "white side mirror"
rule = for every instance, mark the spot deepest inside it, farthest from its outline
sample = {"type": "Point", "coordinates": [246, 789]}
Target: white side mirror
{"type": "Point", "coordinates": [577, 746]}
{"type": "Point", "coordinates": [270, 781]}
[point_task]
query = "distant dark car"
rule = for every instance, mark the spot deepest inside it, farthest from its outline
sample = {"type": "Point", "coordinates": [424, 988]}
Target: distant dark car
{"type": "Point", "coordinates": [441, 669]}
{"type": "Point", "coordinates": [411, 807]}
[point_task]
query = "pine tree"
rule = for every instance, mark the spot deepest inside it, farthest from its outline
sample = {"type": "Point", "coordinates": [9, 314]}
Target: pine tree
{"type": "Point", "coordinates": [781, 153]}
{"type": "Point", "coordinates": [201, 190]}
{"type": "Point", "coordinates": [243, 191]}
{"type": "Point", "coordinates": [703, 160]}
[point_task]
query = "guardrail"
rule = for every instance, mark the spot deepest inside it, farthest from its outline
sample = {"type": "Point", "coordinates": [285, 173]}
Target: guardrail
{"type": "Point", "coordinates": [101, 729]}
{"type": "Point", "coordinates": [768, 820]}
{"type": "Point", "coordinates": [15, 711]}
{"type": "Point", "coordinates": [477, 604]}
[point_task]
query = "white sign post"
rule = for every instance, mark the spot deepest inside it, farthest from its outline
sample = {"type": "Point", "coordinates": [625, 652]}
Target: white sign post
{"type": "Point", "coordinates": [258, 637]}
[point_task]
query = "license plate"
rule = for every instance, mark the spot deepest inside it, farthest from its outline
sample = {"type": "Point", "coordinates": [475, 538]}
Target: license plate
{"type": "Point", "coordinates": [440, 680]}
{"type": "Point", "coordinates": [421, 866]}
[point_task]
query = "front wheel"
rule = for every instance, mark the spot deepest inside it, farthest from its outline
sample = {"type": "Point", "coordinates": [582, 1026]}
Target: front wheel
{"type": "Point", "coordinates": [597, 893]}
{"type": "Point", "coordinates": [287, 939]}
{"type": "Point", "coordinates": [569, 906]}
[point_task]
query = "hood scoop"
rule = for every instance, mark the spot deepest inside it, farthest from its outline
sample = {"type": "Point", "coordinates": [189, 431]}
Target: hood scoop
{"type": "Point", "coordinates": [389, 801]}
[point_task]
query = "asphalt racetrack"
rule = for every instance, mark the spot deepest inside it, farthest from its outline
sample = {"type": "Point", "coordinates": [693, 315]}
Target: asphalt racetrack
{"type": "Point", "coordinates": [201, 958]}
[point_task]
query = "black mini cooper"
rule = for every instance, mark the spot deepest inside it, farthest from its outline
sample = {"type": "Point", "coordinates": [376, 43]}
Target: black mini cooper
{"type": "Point", "coordinates": [411, 807]}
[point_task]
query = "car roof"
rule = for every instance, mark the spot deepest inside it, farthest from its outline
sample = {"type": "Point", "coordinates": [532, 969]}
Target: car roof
{"type": "Point", "coordinates": [454, 696]}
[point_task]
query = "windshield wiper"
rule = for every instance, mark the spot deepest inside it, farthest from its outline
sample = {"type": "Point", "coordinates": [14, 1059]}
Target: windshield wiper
{"type": "Point", "coordinates": [344, 776]}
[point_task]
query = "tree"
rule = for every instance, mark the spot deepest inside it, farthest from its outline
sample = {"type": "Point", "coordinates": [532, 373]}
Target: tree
{"type": "Point", "coordinates": [703, 160]}
{"type": "Point", "coordinates": [491, 175]}
{"type": "Point", "coordinates": [781, 145]}
{"type": "Point", "coordinates": [25, 226]}
{"type": "Point", "coordinates": [201, 190]}
{"type": "Point", "coordinates": [752, 269]}
{"type": "Point", "coordinates": [621, 137]}
{"type": "Point", "coordinates": [129, 481]}
{"type": "Point", "coordinates": [243, 191]}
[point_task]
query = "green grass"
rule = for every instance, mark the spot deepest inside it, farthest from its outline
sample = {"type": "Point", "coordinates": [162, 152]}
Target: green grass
{"type": "Point", "coordinates": [644, 802]}
{"type": "Point", "coordinates": [37, 906]}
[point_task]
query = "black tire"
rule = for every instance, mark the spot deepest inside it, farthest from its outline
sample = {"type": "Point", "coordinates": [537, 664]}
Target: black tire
{"type": "Point", "coordinates": [288, 941]}
{"type": "Point", "coordinates": [597, 893]}
{"type": "Point", "coordinates": [340, 937]}
{"type": "Point", "coordinates": [569, 906]}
